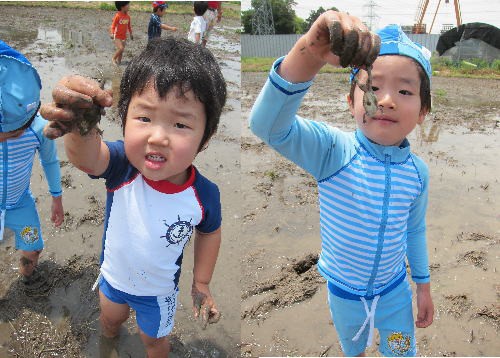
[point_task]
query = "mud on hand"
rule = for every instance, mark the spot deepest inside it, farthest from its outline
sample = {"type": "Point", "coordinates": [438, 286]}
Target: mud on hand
{"type": "Point", "coordinates": [204, 308]}
{"type": "Point", "coordinates": [78, 106]}
{"type": "Point", "coordinates": [353, 46]}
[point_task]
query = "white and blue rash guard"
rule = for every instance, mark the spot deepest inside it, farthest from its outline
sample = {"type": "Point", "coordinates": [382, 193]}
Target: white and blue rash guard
{"type": "Point", "coordinates": [372, 198]}
{"type": "Point", "coordinates": [148, 223]}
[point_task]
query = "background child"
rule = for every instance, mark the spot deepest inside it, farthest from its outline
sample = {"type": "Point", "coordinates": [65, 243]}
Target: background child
{"type": "Point", "coordinates": [171, 99]}
{"type": "Point", "coordinates": [212, 16]}
{"type": "Point", "coordinates": [198, 25]}
{"type": "Point", "coordinates": [372, 189]}
{"type": "Point", "coordinates": [20, 137]}
{"type": "Point", "coordinates": [118, 30]}
{"type": "Point", "coordinates": [155, 25]}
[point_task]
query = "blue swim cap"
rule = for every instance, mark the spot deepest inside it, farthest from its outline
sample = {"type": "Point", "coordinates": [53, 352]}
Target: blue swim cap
{"type": "Point", "coordinates": [19, 89]}
{"type": "Point", "coordinates": [393, 41]}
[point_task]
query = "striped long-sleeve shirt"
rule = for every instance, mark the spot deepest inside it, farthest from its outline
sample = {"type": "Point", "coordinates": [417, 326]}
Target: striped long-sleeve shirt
{"type": "Point", "coordinates": [16, 164]}
{"type": "Point", "coordinates": [372, 198]}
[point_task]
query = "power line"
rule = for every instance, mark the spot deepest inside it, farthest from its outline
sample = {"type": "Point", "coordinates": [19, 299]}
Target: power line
{"type": "Point", "coordinates": [262, 19]}
{"type": "Point", "coordinates": [370, 13]}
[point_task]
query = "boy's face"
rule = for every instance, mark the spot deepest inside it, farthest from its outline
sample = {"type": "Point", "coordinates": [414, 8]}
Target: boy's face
{"type": "Point", "coordinates": [160, 12]}
{"type": "Point", "coordinates": [396, 84]}
{"type": "Point", "coordinates": [11, 135]}
{"type": "Point", "coordinates": [162, 136]}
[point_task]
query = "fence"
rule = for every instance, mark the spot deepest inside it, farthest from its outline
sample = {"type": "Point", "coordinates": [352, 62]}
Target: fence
{"type": "Point", "coordinates": [278, 45]}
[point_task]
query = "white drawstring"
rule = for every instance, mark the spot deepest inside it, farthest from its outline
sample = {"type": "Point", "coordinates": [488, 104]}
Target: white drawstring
{"type": "Point", "coordinates": [2, 224]}
{"type": "Point", "coordinates": [370, 317]}
{"type": "Point", "coordinates": [94, 286]}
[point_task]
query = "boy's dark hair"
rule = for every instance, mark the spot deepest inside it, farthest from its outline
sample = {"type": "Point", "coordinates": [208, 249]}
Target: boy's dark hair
{"type": "Point", "coordinates": [120, 4]}
{"type": "Point", "coordinates": [425, 88]}
{"type": "Point", "coordinates": [200, 7]}
{"type": "Point", "coordinates": [168, 63]}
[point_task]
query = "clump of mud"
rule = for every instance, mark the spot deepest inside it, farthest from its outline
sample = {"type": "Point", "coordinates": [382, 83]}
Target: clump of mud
{"type": "Point", "coordinates": [476, 258]}
{"type": "Point", "coordinates": [456, 305]}
{"type": "Point", "coordinates": [297, 282]}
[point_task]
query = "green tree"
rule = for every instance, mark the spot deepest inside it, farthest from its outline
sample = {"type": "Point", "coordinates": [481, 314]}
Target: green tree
{"type": "Point", "coordinates": [313, 15]}
{"type": "Point", "coordinates": [284, 18]}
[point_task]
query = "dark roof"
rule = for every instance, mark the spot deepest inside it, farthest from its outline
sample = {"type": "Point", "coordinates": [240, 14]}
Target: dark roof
{"type": "Point", "coordinates": [474, 30]}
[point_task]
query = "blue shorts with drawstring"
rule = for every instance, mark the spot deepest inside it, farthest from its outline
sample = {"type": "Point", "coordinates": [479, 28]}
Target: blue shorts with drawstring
{"type": "Point", "coordinates": [393, 318]}
{"type": "Point", "coordinates": [154, 314]}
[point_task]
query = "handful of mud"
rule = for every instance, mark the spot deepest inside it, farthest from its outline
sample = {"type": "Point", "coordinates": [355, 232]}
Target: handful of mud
{"type": "Point", "coordinates": [85, 120]}
{"type": "Point", "coordinates": [357, 49]}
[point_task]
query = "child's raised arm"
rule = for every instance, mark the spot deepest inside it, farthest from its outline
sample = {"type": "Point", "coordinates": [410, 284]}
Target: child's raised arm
{"type": "Point", "coordinates": [72, 96]}
{"type": "Point", "coordinates": [345, 35]}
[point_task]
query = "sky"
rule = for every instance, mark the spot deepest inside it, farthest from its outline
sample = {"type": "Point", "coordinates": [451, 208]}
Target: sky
{"type": "Point", "coordinates": [403, 12]}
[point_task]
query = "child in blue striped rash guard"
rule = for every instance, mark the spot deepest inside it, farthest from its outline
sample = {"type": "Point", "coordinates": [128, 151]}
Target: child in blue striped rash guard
{"type": "Point", "coordinates": [20, 138]}
{"type": "Point", "coordinates": [372, 189]}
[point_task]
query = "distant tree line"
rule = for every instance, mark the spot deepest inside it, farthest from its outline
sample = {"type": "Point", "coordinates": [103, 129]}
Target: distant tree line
{"type": "Point", "coordinates": [284, 17]}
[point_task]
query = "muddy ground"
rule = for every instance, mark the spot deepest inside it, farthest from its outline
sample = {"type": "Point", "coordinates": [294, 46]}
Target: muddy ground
{"type": "Point", "coordinates": [284, 299]}
{"type": "Point", "coordinates": [61, 318]}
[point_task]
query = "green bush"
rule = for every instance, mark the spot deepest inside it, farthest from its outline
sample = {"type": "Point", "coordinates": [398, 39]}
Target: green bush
{"type": "Point", "coordinates": [495, 65]}
{"type": "Point", "coordinates": [107, 6]}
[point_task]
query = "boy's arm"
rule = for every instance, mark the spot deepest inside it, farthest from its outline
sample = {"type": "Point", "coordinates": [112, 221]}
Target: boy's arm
{"type": "Point", "coordinates": [169, 28]}
{"type": "Point", "coordinates": [112, 28]}
{"type": "Point", "coordinates": [130, 28]}
{"type": "Point", "coordinates": [417, 251]}
{"type": "Point", "coordinates": [206, 250]}
{"type": "Point", "coordinates": [313, 50]}
{"type": "Point", "coordinates": [73, 95]}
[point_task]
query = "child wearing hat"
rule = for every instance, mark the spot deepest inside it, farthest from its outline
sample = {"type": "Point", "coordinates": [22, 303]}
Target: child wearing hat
{"type": "Point", "coordinates": [372, 189]}
{"type": "Point", "coordinates": [20, 138]}
{"type": "Point", "coordinates": [118, 30]}
{"type": "Point", "coordinates": [155, 25]}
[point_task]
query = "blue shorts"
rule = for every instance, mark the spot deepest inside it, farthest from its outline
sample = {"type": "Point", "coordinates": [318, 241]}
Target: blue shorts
{"type": "Point", "coordinates": [154, 314]}
{"type": "Point", "coordinates": [24, 221]}
{"type": "Point", "coordinates": [393, 319]}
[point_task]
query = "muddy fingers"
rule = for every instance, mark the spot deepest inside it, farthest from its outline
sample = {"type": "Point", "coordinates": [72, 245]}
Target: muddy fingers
{"type": "Point", "coordinates": [353, 46]}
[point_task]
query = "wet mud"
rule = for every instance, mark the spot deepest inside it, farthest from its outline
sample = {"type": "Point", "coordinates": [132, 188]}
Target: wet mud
{"type": "Point", "coordinates": [459, 141]}
{"type": "Point", "coordinates": [60, 318]}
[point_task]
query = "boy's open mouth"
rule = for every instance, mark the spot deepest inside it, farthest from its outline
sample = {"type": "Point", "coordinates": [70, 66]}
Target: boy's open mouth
{"type": "Point", "coordinates": [155, 158]}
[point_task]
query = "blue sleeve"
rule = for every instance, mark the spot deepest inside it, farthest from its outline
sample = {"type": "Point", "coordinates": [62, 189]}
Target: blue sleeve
{"type": "Point", "coordinates": [209, 196]}
{"type": "Point", "coordinates": [119, 169]}
{"type": "Point", "coordinates": [48, 157]}
{"type": "Point", "coordinates": [316, 147]}
{"type": "Point", "coordinates": [416, 251]}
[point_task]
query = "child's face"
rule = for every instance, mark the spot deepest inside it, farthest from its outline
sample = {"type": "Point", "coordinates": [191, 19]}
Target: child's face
{"type": "Point", "coordinates": [162, 136]}
{"type": "Point", "coordinates": [396, 84]}
{"type": "Point", "coordinates": [160, 12]}
{"type": "Point", "coordinates": [125, 8]}
{"type": "Point", "coordinates": [11, 135]}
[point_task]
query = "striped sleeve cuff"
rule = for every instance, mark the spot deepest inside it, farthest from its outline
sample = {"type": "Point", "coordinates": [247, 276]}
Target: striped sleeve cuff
{"type": "Point", "coordinates": [283, 85]}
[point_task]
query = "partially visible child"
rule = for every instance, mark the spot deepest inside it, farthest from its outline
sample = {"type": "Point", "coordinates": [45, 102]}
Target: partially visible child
{"type": "Point", "coordinates": [171, 99]}
{"type": "Point", "coordinates": [155, 25]}
{"type": "Point", "coordinates": [212, 16]}
{"type": "Point", "coordinates": [198, 25]}
{"type": "Point", "coordinates": [118, 30]}
{"type": "Point", "coordinates": [20, 138]}
{"type": "Point", "coordinates": [372, 189]}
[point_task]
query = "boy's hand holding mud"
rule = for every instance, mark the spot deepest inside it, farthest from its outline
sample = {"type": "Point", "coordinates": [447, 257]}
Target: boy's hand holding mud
{"type": "Point", "coordinates": [335, 38]}
{"type": "Point", "coordinates": [76, 99]}
{"type": "Point", "coordinates": [204, 304]}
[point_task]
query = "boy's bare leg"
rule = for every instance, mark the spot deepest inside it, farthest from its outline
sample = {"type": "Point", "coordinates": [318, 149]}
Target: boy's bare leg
{"type": "Point", "coordinates": [28, 262]}
{"type": "Point", "coordinates": [112, 316]}
{"type": "Point", "coordinates": [155, 347]}
{"type": "Point", "coordinates": [120, 47]}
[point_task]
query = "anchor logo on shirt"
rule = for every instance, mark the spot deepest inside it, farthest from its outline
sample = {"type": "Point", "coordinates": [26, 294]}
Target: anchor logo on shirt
{"type": "Point", "coordinates": [178, 231]}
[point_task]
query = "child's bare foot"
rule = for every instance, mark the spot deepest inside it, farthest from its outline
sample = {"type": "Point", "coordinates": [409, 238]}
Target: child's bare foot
{"type": "Point", "coordinates": [115, 62]}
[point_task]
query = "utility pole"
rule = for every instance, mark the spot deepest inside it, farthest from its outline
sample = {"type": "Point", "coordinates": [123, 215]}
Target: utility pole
{"type": "Point", "coordinates": [262, 19]}
{"type": "Point", "coordinates": [370, 14]}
